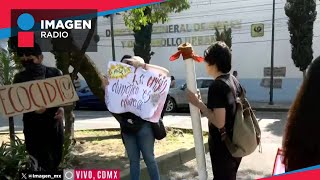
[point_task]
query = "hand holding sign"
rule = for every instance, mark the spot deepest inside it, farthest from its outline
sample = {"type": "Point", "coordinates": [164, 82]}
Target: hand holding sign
{"type": "Point", "coordinates": [104, 82]}
{"type": "Point", "coordinates": [40, 111]}
{"type": "Point", "coordinates": [59, 114]}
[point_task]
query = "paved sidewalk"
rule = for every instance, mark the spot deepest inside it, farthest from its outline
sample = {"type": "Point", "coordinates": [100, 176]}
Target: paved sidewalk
{"type": "Point", "coordinates": [256, 165]}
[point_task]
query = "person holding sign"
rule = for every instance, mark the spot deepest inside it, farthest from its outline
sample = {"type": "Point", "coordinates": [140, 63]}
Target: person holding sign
{"type": "Point", "coordinates": [43, 129]}
{"type": "Point", "coordinates": [137, 133]}
{"type": "Point", "coordinates": [220, 110]}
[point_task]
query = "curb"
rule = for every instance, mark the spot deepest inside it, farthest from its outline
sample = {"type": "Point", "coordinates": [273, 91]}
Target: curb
{"type": "Point", "coordinates": [167, 162]}
{"type": "Point", "coordinates": [105, 129]}
{"type": "Point", "coordinates": [271, 109]}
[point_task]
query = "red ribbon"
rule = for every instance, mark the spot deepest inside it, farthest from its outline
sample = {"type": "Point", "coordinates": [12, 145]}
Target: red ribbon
{"type": "Point", "coordinates": [186, 54]}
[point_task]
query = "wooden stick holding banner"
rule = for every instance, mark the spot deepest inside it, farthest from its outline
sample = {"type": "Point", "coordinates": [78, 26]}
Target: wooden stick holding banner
{"type": "Point", "coordinates": [189, 57]}
{"type": "Point", "coordinates": [34, 95]}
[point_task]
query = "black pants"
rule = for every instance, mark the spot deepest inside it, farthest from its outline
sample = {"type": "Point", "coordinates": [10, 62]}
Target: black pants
{"type": "Point", "coordinates": [224, 165]}
{"type": "Point", "coordinates": [45, 144]}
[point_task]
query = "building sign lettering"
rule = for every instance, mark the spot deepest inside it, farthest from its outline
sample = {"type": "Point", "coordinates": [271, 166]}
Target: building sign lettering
{"type": "Point", "coordinates": [181, 28]}
{"type": "Point", "coordinates": [174, 42]}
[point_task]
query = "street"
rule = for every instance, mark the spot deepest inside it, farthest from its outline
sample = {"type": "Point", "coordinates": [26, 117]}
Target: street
{"type": "Point", "coordinates": [256, 165]}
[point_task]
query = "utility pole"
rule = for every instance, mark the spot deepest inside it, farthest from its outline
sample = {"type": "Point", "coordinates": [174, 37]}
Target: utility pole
{"type": "Point", "coordinates": [272, 55]}
{"type": "Point", "coordinates": [11, 130]}
{"type": "Point", "coordinates": [112, 38]}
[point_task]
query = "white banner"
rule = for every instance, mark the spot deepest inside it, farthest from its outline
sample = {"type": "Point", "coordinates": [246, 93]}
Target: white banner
{"type": "Point", "coordinates": [138, 91]}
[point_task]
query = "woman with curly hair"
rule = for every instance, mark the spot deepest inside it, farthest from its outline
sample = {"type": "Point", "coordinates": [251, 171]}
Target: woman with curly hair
{"type": "Point", "coordinates": [301, 146]}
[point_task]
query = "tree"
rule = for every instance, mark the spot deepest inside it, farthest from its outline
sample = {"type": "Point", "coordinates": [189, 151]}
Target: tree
{"type": "Point", "coordinates": [8, 68]}
{"type": "Point", "coordinates": [302, 14]}
{"type": "Point", "coordinates": [75, 57]}
{"type": "Point", "coordinates": [224, 36]}
{"type": "Point", "coordinates": [141, 21]}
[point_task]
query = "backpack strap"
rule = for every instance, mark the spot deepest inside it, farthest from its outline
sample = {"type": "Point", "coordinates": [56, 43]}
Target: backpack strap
{"type": "Point", "coordinates": [235, 83]}
{"type": "Point", "coordinates": [232, 84]}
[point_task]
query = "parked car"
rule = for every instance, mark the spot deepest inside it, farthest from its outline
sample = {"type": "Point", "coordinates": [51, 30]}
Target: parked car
{"type": "Point", "coordinates": [177, 96]}
{"type": "Point", "coordinates": [88, 100]}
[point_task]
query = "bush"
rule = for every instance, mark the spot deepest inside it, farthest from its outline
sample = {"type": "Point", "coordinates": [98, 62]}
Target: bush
{"type": "Point", "coordinates": [67, 156]}
{"type": "Point", "coordinates": [13, 158]}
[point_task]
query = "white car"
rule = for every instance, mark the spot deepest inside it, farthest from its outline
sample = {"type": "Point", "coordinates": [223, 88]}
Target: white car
{"type": "Point", "coordinates": [177, 96]}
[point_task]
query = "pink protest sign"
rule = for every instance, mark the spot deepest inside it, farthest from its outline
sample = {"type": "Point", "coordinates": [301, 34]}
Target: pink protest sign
{"type": "Point", "coordinates": [279, 167]}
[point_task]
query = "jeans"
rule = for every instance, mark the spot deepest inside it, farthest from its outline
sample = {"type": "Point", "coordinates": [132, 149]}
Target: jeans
{"type": "Point", "coordinates": [142, 141]}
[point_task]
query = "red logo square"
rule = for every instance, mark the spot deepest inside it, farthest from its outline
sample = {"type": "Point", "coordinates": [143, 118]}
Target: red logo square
{"type": "Point", "coordinates": [25, 39]}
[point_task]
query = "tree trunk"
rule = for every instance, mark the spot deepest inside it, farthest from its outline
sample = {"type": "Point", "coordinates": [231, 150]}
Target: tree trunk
{"type": "Point", "coordinates": [63, 62]}
{"type": "Point", "coordinates": [142, 45]}
{"type": "Point", "coordinates": [11, 131]}
{"type": "Point", "coordinates": [92, 76]}
{"type": "Point", "coordinates": [69, 121]}
{"type": "Point", "coordinates": [81, 63]}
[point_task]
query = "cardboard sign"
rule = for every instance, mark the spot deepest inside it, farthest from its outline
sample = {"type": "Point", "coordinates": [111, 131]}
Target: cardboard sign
{"type": "Point", "coordinates": [138, 91]}
{"type": "Point", "coordinates": [34, 95]}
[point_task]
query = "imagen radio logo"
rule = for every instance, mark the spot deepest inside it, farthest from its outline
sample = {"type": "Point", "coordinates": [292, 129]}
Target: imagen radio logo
{"type": "Point", "coordinates": [44, 25]}
{"type": "Point", "coordinates": [25, 36]}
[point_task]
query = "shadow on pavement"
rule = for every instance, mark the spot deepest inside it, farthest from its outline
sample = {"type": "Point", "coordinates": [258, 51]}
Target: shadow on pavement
{"type": "Point", "coordinates": [250, 174]}
{"type": "Point", "coordinates": [277, 127]}
{"type": "Point", "coordinates": [183, 172]}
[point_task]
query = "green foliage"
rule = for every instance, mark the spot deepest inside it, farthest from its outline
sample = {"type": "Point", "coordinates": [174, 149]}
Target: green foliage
{"type": "Point", "coordinates": [225, 35]}
{"type": "Point", "coordinates": [142, 45]}
{"type": "Point", "coordinates": [13, 158]}
{"type": "Point", "coordinates": [137, 18]}
{"type": "Point", "coordinates": [302, 14]}
{"type": "Point", "coordinates": [67, 156]}
{"type": "Point", "coordinates": [7, 67]}
{"type": "Point", "coordinates": [141, 20]}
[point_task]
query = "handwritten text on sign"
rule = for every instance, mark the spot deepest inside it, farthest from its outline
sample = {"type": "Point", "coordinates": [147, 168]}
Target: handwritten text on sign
{"type": "Point", "coordinates": [136, 90]}
{"type": "Point", "coordinates": [34, 95]}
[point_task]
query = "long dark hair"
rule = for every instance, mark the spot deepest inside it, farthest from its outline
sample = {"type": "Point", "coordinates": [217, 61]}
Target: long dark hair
{"type": "Point", "coordinates": [301, 142]}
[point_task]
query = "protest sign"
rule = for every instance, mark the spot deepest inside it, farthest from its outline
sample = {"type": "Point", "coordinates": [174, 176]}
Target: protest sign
{"type": "Point", "coordinates": [278, 167]}
{"type": "Point", "coordinates": [141, 92]}
{"type": "Point", "coordinates": [34, 95]}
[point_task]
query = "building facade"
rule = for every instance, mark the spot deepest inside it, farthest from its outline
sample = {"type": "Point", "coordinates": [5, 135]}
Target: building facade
{"type": "Point", "coordinates": [251, 23]}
